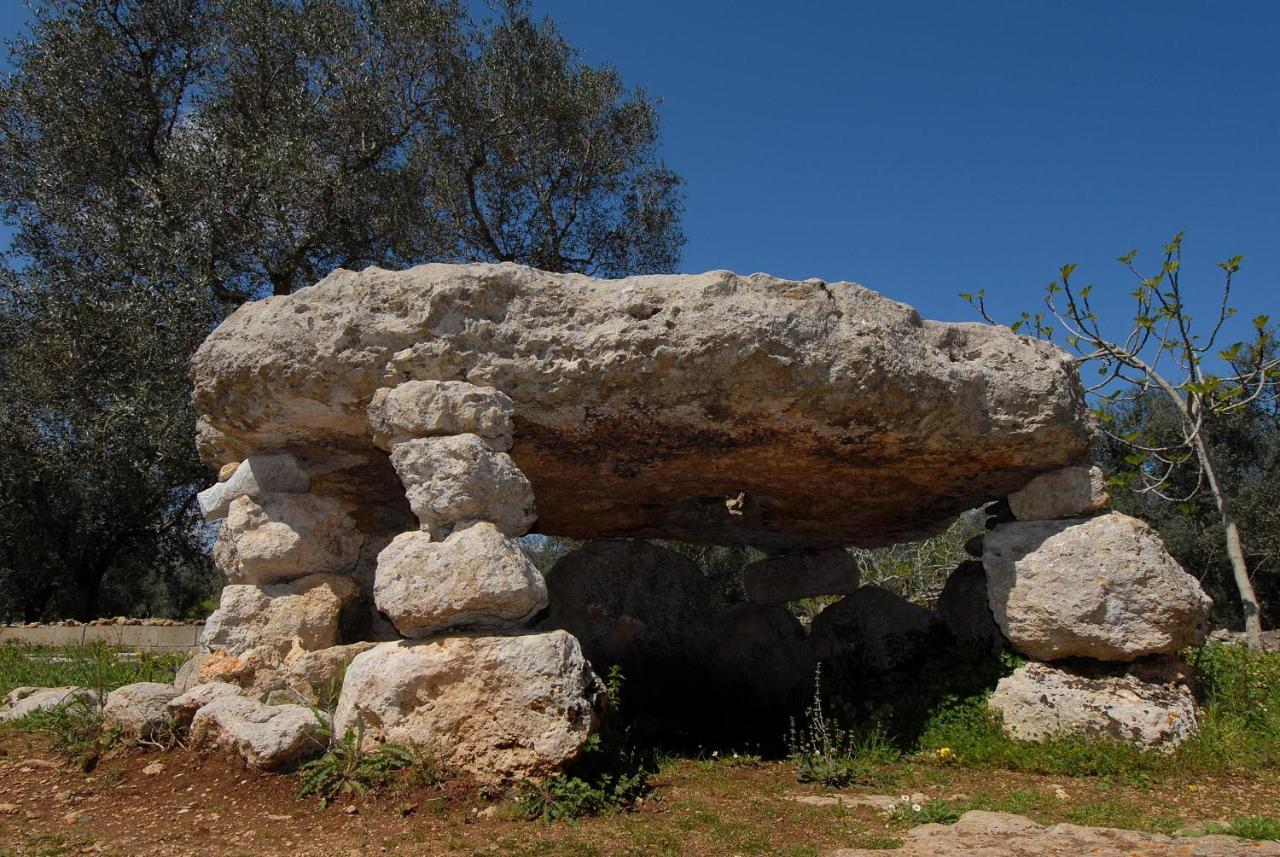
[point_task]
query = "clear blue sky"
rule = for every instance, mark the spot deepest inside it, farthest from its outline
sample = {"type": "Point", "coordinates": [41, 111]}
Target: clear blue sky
{"type": "Point", "coordinates": [924, 149]}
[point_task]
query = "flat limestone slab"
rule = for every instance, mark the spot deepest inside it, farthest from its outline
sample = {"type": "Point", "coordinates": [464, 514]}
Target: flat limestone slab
{"type": "Point", "coordinates": [998, 834]}
{"type": "Point", "coordinates": [712, 407]}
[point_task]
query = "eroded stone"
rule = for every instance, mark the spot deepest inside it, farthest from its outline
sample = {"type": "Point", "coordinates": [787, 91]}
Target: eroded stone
{"type": "Point", "coordinates": [476, 577]}
{"type": "Point", "coordinates": [434, 408]}
{"type": "Point", "coordinates": [1102, 588]}
{"type": "Point", "coordinates": [304, 614]}
{"type": "Point", "coordinates": [499, 708]}
{"type": "Point", "coordinates": [281, 537]}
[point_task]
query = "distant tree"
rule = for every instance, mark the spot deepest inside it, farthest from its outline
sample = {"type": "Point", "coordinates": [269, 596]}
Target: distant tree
{"type": "Point", "coordinates": [166, 160]}
{"type": "Point", "coordinates": [1160, 354]}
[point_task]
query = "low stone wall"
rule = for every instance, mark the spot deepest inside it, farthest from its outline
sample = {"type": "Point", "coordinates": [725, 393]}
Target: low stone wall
{"type": "Point", "coordinates": [158, 638]}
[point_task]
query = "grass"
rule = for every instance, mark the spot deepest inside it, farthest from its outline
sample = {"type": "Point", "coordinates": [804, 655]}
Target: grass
{"type": "Point", "coordinates": [1248, 827]}
{"type": "Point", "coordinates": [95, 666]}
{"type": "Point", "coordinates": [346, 769]}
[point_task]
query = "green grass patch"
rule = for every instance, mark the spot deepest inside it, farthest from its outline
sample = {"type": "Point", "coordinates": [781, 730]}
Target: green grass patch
{"type": "Point", "coordinates": [1248, 827]}
{"type": "Point", "coordinates": [96, 666]}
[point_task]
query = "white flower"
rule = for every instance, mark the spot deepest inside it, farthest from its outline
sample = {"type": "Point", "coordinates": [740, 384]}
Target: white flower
{"type": "Point", "coordinates": [915, 807]}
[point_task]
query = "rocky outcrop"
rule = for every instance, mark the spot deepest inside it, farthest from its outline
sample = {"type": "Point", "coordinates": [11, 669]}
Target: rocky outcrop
{"type": "Point", "coordinates": [997, 834]}
{"type": "Point", "coordinates": [476, 577]}
{"type": "Point", "coordinates": [641, 405]}
{"type": "Point", "coordinates": [1065, 493]}
{"type": "Point", "coordinates": [264, 736]}
{"type": "Point", "coordinates": [963, 606]}
{"type": "Point", "coordinates": [871, 631]}
{"type": "Point", "coordinates": [779, 580]}
{"type": "Point", "coordinates": [140, 711]}
{"type": "Point", "coordinates": [1149, 703]}
{"type": "Point", "coordinates": [498, 708]}
{"type": "Point", "coordinates": [281, 537]}
{"type": "Point", "coordinates": [1102, 588]}
{"type": "Point", "coordinates": [759, 661]}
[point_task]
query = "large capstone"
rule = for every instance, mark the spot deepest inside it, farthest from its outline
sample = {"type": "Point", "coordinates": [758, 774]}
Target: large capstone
{"type": "Point", "coordinates": [711, 408]}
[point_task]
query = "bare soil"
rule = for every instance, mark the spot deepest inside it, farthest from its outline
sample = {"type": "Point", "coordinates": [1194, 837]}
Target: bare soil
{"type": "Point", "coordinates": [176, 803]}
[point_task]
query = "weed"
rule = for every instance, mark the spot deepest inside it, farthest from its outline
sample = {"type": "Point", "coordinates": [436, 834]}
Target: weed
{"type": "Point", "coordinates": [931, 812]}
{"type": "Point", "coordinates": [611, 773]}
{"type": "Point", "coordinates": [96, 666]}
{"type": "Point", "coordinates": [347, 768]}
{"type": "Point", "coordinates": [1248, 827]}
{"type": "Point", "coordinates": [825, 753]}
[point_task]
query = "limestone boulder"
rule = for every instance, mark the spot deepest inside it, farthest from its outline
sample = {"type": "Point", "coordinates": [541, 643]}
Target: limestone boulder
{"type": "Point", "coordinates": [22, 701]}
{"type": "Point", "coordinates": [264, 736]}
{"type": "Point", "coordinates": [181, 710]}
{"type": "Point", "coordinates": [871, 631]}
{"type": "Point", "coordinates": [1101, 587]}
{"type": "Point", "coordinates": [498, 708]}
{"type": "Point", "coordinates": [965, 609]}
{"type": "Point", "coordinates": [806, 574]}
{"type": "Point", "coordinates": [281, 537]}
{"type": "Point", "coordinates": [313, 677]}
{"type": "Point", "coordinates": [434, 408]}
{"type": "Point", "coordinates": [305, 614]}
{"type": "Point", "coordinates": [1065, 493]}
{"type": "Point", "coordinates": [715, 408]}
{"type": "Point", "coordinates": [139, 710]}
{"type": "Point", "coordinates": [450, 480]}
{"type": "Point", "coordinates": [476, 577]}
{"type": "Point", "coordinates": [1149, 703]}
{"type": "Point", "coordinates": [256, 476]}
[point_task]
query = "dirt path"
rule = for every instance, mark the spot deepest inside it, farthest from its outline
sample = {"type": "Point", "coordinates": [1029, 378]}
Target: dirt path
{"type": "Point", "coordinates": [140, 803]}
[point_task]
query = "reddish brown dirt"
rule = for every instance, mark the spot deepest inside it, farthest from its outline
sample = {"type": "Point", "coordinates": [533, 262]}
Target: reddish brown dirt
{"type": "Point", "coordinates": [213, 806]}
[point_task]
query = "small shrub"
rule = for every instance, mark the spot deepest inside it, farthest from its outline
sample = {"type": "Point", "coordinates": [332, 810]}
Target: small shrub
{"type": "Point", "coordinates": [347, 768]}
{"type": "Point", "coordinates": [827, 754]}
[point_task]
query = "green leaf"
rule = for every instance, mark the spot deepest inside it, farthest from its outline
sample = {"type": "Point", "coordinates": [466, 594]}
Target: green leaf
{"type": "Point", "coordinates": [1261, 321]}
{"type": "Point", "coordinates": [1068, 270]}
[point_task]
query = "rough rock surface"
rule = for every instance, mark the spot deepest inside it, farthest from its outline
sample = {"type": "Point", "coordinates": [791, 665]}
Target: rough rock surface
{"type": "Point", "coordinates": [313, 676]}
{"type": "Point", "coordinates": [433, 408]}
{"type": "Point", "coordinates": [965, 609]}
{"type": "Point", "coordinates": [997, 834]}
{"type": "Point", "coordinates": [265, 736]}
{"type": "Point", "coordinates": [1102, 587]}
{"type": "Point", "coordinates": [21, 701]}
{"type": "Point", "coordinates": [806, 574]}
{"type": "Point", "coordinates": [499, 708]}
{"type": "Point", "coordinates": [642, 405]}
{"type": "Point", "coordinates": [871, 631]}
{"type": "Point", "coordinates": [139, 710]}
{"type": "Point", "coordinates": [279, 537]}
{"type": "Point", "coordinates": [1064, 493]}
{"type": "Point", "coordinates": [304, 614]}
{"type": "Point", "coordinates": [183, 707]}
{"type": "Point", "coordinates": [635, 604]}
{"type": "Point", "coordinates": [1148, 703]}
{"type": "Point", "coordinates": [256, 476]}
{"type": "Point", "coordinates": [476, 577]}
{"type": "Point", "coordinates": [449, 480]}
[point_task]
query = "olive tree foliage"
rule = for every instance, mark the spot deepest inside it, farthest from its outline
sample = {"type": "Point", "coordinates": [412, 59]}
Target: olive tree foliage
{"type": "Point", "coordinates": [1161, 354]}
{"type": "Point", "coordinates": [168, 160]}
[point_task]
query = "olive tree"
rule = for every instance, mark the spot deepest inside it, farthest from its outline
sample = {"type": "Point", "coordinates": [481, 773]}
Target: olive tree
{"type": "Point", "coordinates": [167, 160]}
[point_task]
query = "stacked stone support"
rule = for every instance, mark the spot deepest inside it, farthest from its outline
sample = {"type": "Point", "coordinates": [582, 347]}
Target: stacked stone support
{"type": "Point", "coordinates": [1101, 607]}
